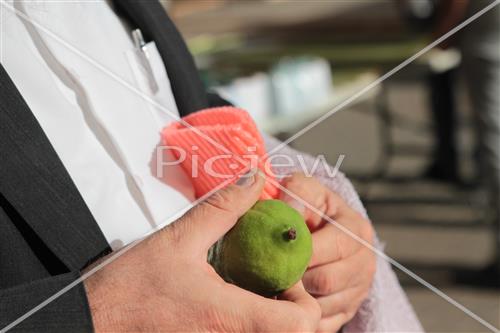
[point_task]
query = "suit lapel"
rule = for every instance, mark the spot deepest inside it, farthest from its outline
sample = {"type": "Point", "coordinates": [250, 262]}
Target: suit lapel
{"type": "Point", "coordinates": [155, 24]}
{"type": "Point", "coordinates": [35, 182]}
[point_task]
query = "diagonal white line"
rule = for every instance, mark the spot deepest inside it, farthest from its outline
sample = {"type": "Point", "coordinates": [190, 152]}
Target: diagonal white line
{"type": "Point", "coordinates": [133, 89]}
{"type": "Point", "coordinates": [386, 75]}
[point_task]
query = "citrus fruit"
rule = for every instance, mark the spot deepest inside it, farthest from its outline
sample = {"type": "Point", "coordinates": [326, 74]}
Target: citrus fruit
{"type": "Point", "coordinates": [267, 251]}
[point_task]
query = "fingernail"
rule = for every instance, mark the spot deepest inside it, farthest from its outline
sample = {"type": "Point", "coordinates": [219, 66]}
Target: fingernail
{"type": "Point", "coordinates": [247, 179]}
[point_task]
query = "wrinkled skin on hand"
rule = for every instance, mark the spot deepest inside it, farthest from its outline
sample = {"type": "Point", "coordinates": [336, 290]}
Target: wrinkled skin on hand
{"type": "Point", "coordinates": [165, 283]}
{"type": "Point", "coordinates": [341, 270]}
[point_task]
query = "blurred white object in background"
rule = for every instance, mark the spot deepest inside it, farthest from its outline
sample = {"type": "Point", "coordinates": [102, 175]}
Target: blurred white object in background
{"type": "Point", "coordinates": [421, 8]}
{"type": "Point", "coordinates": [252, 93]}
{"type": "Point", "coordinates": [300, 84]}
{"type": "Point", "coordinates": [294, 86]}
{"type": "Point", "coordinates": [440, 60]}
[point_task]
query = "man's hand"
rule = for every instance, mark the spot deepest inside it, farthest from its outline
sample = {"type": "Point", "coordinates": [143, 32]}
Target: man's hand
{"type": "Point", "coordinates": [341, 269]}
{"type": "Point", "coordinates": [165, 283]}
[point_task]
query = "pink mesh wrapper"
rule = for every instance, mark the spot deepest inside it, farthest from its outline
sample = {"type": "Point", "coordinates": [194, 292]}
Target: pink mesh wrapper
{"type": "Point", "coordinates": [234, 145]}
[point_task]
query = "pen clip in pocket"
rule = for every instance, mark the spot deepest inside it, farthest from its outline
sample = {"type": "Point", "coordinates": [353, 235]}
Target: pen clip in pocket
{"type": "Point", "coordinates": [142, 57]}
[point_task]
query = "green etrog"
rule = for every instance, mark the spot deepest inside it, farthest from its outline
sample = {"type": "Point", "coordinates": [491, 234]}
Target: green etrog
{"type": "Point", "coordinates": [267, 251]}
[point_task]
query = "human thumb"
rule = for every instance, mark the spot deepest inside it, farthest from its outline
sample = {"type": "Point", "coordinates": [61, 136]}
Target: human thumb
{"type": "Point", "coordinates": [208, 221]}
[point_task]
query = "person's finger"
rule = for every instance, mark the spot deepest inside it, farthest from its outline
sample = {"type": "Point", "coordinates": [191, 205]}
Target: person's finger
{"type": "Point", "coordinates": [328, 210]}
{"type": "Point", "coordinates": [340, 302]}
{"type": "Point", "coordinates": [302, 193]}
{"type": "Point", "coordinates": [292, 202]}
{"type": "Point", "coordinates": [298, 295]}
{"type": "Point", "coordinates": [338, 240]}
{"type": "Point", "coordinates": [326, 247]}
{"type": "Point", "coordinates": [293, 310]}
{"type": "Point", "coordinates": [330, 278]}
{"type": "Point", "coordinates": [331, 244]}
{"type": "Point", "coordinates": [332, 323]}
{"type": "Point", "coordinates": [208, 221]}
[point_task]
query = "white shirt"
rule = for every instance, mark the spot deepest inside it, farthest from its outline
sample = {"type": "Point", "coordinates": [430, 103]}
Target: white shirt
{"type": "Point", "coordinates": [77, 68]}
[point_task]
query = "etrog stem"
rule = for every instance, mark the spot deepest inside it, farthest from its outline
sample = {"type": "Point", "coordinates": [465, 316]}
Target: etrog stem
{"type": "Point", "coordinates": [292, 234]}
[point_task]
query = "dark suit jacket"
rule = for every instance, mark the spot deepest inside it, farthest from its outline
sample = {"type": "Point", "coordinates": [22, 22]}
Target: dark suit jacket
{"type": "Point", "coordinates": [47, 233]}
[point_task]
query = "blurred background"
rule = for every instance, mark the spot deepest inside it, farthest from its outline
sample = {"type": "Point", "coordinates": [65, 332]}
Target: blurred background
{"type": "Point", "coordinates": [414, 145]}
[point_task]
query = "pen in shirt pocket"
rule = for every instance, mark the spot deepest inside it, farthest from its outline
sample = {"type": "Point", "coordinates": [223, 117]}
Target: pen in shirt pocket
{"type": "Point", "coordinates": [143, 57]}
